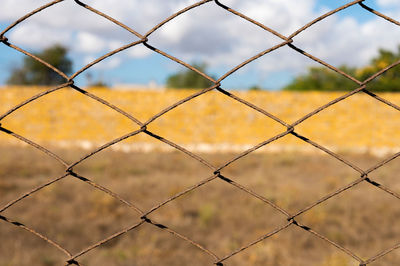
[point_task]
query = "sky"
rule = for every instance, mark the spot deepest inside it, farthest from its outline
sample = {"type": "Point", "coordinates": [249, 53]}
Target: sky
{"type": "Point", "coordinates": [207, 34]}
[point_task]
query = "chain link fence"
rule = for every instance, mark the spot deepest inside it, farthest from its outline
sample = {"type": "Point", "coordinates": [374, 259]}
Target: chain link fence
{"type": "Point", "coordinates": [215, 170]}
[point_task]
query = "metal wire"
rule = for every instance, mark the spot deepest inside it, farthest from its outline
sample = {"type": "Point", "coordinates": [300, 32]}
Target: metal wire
{"type": "Point", "coordinates": [215, 170]}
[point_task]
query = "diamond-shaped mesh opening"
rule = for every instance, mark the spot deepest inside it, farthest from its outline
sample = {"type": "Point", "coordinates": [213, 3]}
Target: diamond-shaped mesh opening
{"type": "Point", "coordinates": [147, 245]}
{"type": "Point", "coordinates": [349, 220]}
{"type": "Point", "coordinates": [112, 70]}
{"type": "Point", "coordinates": [136, 169]}
{"type": "Point", "coordinates": [220, 223]}
{"type": "Point", "coordinates": [73, 213]}
{"type": "Point", "coordinates": [274, 71]}
{"type": "Point", "coordinates": [292, 179]}
{"type": "Point", "coordinates": [208, 134]}
{"type": "Point", "coordinates": [145, 98]}
{"type": "Point", "coordinates": [206, 21]}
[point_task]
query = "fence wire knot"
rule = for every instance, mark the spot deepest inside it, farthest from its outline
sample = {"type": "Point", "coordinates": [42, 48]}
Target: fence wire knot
{"type": "Point", "coordinates": [3, 39]}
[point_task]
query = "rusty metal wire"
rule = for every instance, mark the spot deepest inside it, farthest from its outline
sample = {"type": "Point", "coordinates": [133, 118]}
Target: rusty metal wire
{"type": "Point", "coordinates": [215, 170]}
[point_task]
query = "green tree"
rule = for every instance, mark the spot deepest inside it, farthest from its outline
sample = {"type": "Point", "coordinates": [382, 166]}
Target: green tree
{"type": "Point", "coordinates": [255, 88]}
{"type": "Point", "coordinates": [189, 79]}
{"type": "Point", "coordinates": [388, 81]}
{"type": "Point", "coordinates": [32, 72]}
{"type": "Point", "coordinates": [324, 79]}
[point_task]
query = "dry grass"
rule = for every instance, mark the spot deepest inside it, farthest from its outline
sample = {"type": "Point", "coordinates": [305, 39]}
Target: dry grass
{"type": "Point", "coordinates": [217, 215]}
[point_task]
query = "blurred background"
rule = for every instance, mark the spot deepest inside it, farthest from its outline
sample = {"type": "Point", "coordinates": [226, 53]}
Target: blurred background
{"type": "Point", "coordinates": [289, 172]}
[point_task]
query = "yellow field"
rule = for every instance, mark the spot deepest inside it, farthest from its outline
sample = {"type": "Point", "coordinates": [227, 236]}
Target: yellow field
{"type": "Point", "coordinates": [219, 216]}
{"type": "Point", "coordinates": [358, 123]}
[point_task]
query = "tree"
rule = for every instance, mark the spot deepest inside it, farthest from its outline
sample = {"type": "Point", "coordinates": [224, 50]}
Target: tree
{"type": "Point", "coordinates": [255, 88]}
{"type": "Point", "coordinates": [189, 79]}
{"type": "Point", "coordinates": [32, 72]}
{"type": "Point", "coordinates": [388, 81]}
{"type": "Point", "coordinates": [324, 79]}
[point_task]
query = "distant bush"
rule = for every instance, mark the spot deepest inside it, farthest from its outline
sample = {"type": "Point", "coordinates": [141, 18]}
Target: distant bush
{"type": "Point", "coordinates": [189, 79]}
{"type": "Point", "coordinates": [324, 79]}
{"type": "Point", "coordinates": [32, 72]}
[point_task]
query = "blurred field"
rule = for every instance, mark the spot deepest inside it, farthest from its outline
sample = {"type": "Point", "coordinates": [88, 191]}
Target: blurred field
{"type": "Point", "coordinates": [217, 215]}
{"type": "Point", "coordinates": [211, 122]}
{"type": "Point", "coordinates": [290, 172]}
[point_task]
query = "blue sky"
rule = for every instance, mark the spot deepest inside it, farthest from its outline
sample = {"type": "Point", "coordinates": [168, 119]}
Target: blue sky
{"type": "Point", "coordinates": [207, 34]}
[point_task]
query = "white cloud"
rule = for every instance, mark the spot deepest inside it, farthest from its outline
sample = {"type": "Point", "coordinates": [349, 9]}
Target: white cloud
{"type": "Point", "coordinates": [89, 43]}
{"type": "Point", "coordinates": [113, 44]}
{"type": "Point", "coordinates": [208, 33]}
{"type": "Point", "coordinates": [33, 35]}
{"type": "Point", "coordinates": [390, 3]}
{"type": "Point", "coordinates": [111, 63]}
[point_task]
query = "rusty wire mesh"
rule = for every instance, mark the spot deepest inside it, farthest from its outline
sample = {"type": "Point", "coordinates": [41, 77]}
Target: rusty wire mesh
{"type": "Point", "coordinates": [215, 171]}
